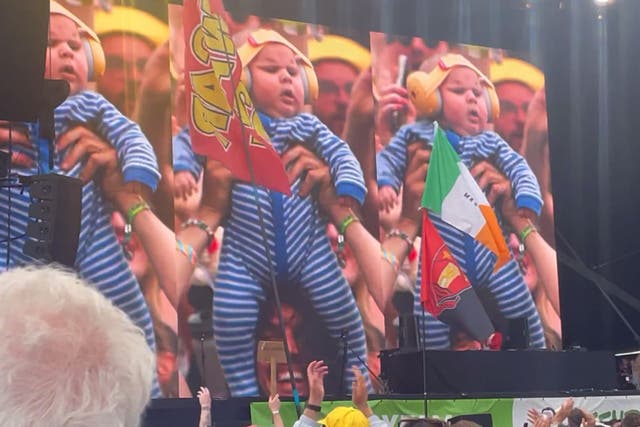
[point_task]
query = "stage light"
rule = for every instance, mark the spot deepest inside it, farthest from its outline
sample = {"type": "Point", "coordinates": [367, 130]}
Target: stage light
{"type": "Point", "coordinates": [602, 3]}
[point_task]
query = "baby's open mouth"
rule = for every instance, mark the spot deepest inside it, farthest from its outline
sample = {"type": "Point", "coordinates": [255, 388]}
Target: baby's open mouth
{"type": "Point", "coordinates": [67, 69]}
{"type": "Point", "coordinates": [287, 93]}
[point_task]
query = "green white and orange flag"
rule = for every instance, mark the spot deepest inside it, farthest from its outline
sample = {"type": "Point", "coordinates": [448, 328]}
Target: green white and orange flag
{"type": "Point", "coordinates": [445, 290]}
{"type": "Point", "coordinates": [453, 195]}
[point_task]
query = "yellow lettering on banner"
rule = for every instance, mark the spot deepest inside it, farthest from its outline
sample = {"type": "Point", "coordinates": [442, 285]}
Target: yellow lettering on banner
{"type": "Point", "coordinates": [198, 46]}
{"type": "Point", "coordinates": [208, 121]}
{"type": "Point", "coordinates": [244, 108]}
{"type": "Point", "coordinates": [205, 85]}
{"type": "Point", "coordinates": [215, 46]}
{"type": "Point", "coordinates": [255, 142]}
{"type": "Point", "coordinates": [205, 6]}
{"type": "Point", "coordinates": [204, 43]}
{"type": "Point", "coordinates": [211, 42]}
{"type": "Point", "coordinates": [221, 43]}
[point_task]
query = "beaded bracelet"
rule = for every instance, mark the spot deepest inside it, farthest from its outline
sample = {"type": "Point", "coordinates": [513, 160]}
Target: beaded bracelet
{"type": "Point", "coordinates": [400, 234]}
{"type": "Point", "coordinates": [131, 214]}
{"type": "Point", "coordinates": [187, 250]}
{"type": "Point", "coordinates": [390, 258]}
{"type": "Point", "coordinates": [349, 219]}
{"type": "Point", "coordinates": [195, 222]}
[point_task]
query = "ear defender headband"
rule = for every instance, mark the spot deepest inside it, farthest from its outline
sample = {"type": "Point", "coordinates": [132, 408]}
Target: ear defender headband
{"type": "Point", "coordinates": [254, 44]}
{"type": "Point", "coordinates": [424, 91]}
{"type": "Point", "coordinates": [91, 42]}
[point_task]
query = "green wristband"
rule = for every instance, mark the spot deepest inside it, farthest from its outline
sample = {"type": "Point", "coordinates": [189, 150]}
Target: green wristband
{"type": "Point", "coordinates": [131, 214]}
{"type": "Point", "coordinates": [350, 219]}
{"type": "Point", "coordinates": [522, 235]}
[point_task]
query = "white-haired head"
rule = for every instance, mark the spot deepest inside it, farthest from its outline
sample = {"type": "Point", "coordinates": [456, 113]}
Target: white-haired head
{"type": "Point", "coordinates": [68, 357]}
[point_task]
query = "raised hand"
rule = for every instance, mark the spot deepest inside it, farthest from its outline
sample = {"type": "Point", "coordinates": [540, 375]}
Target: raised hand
{"type": "Point", "coordinates": [274, 403]}
{"type": "Point", "coordinates": [316, 371]}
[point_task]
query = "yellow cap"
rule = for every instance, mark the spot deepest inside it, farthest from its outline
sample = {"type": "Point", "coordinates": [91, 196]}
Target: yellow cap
{"type": "Point", "coordinates": [343, 416]}
{"type": "Point", "coordinates": [517, 70]}
{"type": "Point", "coordinates": [129, 20]}
{"type": "Point", "coordinates": [341, 48]}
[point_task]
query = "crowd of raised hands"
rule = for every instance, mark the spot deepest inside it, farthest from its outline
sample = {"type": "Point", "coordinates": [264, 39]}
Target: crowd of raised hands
{"type": "Point", "coordinates": [567, 411]}
{"type": "Point", "coordinates": [360, 414]}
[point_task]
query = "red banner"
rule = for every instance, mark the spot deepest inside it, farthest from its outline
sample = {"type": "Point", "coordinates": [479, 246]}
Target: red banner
{"type": "Point", "coordinates": [442, 280]}
{"type": "Point", "coordinates": [224, 124]}
{"type": "Point", "coordinates": [445, 291]}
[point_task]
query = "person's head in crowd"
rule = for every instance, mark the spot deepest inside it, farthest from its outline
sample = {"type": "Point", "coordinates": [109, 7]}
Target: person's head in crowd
{"type": "Point", "coordinates": [73, 50]}
{"type": "Point", "coordinates": [456, 94]}
{"type": "Point", "coordinates": [68, 355]}
{"type": "Point", "coordinates": [385, 50]}
{"type": "Point", "coordinates": [388, 47]}
{"type": "Point", "coordinates": [631, 419]}
{"type": "Point", "coordinates": [465, 423]}
{"type": "Point", "coordinates": [337, 61]}
{"type": "Point", "coordinates": [128, 37]}
{"type": "Point", "coordinates": [279, 77]}
{"type": "Point", "coordinates": [516, 81]}
{"type": "Point", "coordinates": [307, 338]}
{"type": "Point", "coordinates": [344, 416]}
{"type": "Point", "coordinates": [575, 417]}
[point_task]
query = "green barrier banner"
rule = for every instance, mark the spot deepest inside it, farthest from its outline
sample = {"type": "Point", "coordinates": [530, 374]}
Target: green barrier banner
{"type": "Point", "coordinates": [604, 409]}
{"type": "Point", "coordinates": [394, 410]}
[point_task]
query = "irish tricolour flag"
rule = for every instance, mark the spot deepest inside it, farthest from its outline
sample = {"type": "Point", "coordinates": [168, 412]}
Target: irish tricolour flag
{"type": "Point", "coordinates": [453, 195]}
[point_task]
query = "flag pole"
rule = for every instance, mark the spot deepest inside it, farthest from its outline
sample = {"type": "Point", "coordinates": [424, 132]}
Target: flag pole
{"type": "Point", "coordinates": [272, 274]}
{"type": "Point", "coordinates": [423, 344]}
{"type": "Point", "coordinates": [424, 368]}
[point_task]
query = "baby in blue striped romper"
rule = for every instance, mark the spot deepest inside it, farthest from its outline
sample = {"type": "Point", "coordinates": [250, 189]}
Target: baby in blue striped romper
{"type": "Point", "coordinates": [99, 258]}
{"type": "Point", "coordinates": [462, 99]}
{"type": "Point", "coordinates": [295, 231]}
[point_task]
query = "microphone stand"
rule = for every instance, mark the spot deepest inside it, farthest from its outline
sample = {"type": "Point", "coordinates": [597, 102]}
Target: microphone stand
{"type": "Point", "coordinates": [343, 362]}
{"type": "Point", "coordinates": [204, 369]}
{"type": "Point", "coordinates": [383, 382]}
{"type": "Point", "coordinates": [604, 285]}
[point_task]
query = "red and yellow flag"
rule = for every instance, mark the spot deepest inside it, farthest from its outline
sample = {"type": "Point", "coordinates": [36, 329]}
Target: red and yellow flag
{"type": "Point", "coordinates": [442, 280]}
{"type": "Point", "coordinates": [224, 124]}
{"type": "Point", "coordinates": [445, 291]}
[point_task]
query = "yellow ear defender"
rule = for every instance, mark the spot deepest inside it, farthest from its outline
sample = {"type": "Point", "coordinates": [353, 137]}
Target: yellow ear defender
{"type": "Point", "coordinates": [424, 91]}
{"type": "Point", "coordinates": [92, 46]}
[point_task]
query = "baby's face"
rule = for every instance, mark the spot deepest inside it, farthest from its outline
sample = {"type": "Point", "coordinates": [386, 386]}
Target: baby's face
{"type": "Point", "coordinates": [464, 108]}
{"type": "Point", "coordinates": [66, 58]}
{"type": "Point", "coordinates": [276, 84]}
